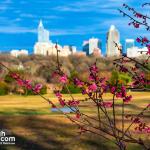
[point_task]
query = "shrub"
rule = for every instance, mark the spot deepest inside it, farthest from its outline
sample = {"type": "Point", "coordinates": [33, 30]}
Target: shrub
{"type": "Point", "coordinates": [71, 88]}
{"type": "Point", "coordinates": [123, 78]}
{"type": "Point", "coordinates": [9, 79]}
{"type": "Point", "coordinates": [30, 92]}
{"type": "Point", "coordinates": [43, 90]}
{"type": "Point", "coordinates": [3, 88]}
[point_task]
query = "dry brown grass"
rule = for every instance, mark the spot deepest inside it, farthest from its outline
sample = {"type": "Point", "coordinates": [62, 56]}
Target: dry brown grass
{"type": "Point", "coordinates": [37, 128]}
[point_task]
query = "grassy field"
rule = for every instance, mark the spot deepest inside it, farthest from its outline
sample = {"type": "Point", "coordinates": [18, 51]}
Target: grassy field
{"type": "Point", "coordinates": [35, 127]}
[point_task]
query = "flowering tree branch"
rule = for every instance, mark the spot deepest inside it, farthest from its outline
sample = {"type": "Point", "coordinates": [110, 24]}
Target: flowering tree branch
{"type": "Point", "coordinates": [103, 123]}
{"type": "Point", "coordinates": [134, 20]}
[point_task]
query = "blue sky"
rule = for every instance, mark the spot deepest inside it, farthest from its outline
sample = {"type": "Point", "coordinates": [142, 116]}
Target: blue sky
{"type": "Point", "coordinates": [69, 21]}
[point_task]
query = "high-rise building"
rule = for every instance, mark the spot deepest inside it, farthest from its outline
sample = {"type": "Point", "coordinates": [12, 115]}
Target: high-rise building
{"type": "Point", "coordinates": [45, 47]}
{"type": "Point", "coordinates": [133, 52]}
{"type": "Point", "coordinates": [90, 45]}
{"type": "Point", "coordinates": [129, 43]}
{"type": "Point", "coordinates": [113, 37]}
{"type": "Point", "coordinates": [73, 49]}
{"type": "Point", "coordinates": [86, 47]}
{"type": "Point", "coordinates": [43, 34]}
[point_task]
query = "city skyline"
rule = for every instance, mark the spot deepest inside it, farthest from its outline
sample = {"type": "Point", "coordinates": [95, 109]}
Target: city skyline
{"type": "Point", "coordinates": [69, 23]}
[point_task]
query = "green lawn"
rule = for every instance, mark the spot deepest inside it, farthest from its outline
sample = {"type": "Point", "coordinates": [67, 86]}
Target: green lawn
{"type": "Point", "coordinates": [37, 128]}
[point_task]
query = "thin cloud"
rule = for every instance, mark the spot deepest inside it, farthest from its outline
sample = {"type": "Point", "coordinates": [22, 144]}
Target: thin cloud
{"type": "Point", "coordinates": [89, 5]}
{"type": "Point", "coordinates": [16, 30]}
{"type": "Point", "coordinates": [26, 15]}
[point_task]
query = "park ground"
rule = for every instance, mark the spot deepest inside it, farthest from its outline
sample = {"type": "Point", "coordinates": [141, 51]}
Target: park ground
{"type": "Point", "coordinates": [36, 127]}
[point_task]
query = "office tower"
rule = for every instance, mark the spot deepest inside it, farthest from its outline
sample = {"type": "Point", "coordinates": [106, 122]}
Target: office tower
{"type": "Point", "coordinates": [113, 37]}
{"type": "Point", "coordinates": [43, 34]}
{"type": "Point", "coordinates": [90, 45]}
{"type": "Point", "coordinates": [129, 43]}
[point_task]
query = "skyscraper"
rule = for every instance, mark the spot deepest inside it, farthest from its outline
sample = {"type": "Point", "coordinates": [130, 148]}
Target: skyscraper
{"type": "Point", "coordinates": [136, 52]}
{"type": "Point", "coordinates": [43, 34]}
{"type": "Point", "coordinates": [129, 43]}
{"type": "Point", "coordinates": [46, 47]}
{"type": "Point", "coordinates": [93, 44]}
{"type": "Point", "coordinates": [113, 36]}
{"type": "Point", "coordinates": [90, 45]}
{"type": "Point", "coordinates": [86, 47]}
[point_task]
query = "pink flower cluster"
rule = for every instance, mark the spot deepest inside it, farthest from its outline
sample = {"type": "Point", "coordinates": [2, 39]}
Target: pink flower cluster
{"type": "Point", "coordinates": [37, 88]}
{"type": "Point", "coordinates": [141, 127]}
{"type": "Point", "coordinates": [121, 93]}
{"type": "Point", "coordinates": [78, 115]}
{"type": "Point", "coordinates": [73, 103]}
{"type": "Point", "coordinates": [147, 129]}
{"type": "Point", "coordinates": [78, 82]}
{"type": "Point", "coordinates": [127, 98]}
{"type": "Point", "coordinates": [148, 47]}
{"type": "Point", "coordinates": [21, 82]}
{"type": "Point", "coordinates": [135, 24]}
{"type": "Point", "coordinates": [106, 104]}
{"type": "Point", "coordinates": [59, 96]}
{"type": "Point", "coordinates": [138, 15]}
{"type": "Point", "coordinates": [26, 83]}
{"type": "Point", "coordinates": [63, 79]}
{"type": "Point", "coordinates": [140, 80]}
{"type": "Point", "coordinates": [15, 75]}
{"type": "Point", "coordinates": [145, 41]}
{"type": "Point", "coordinates": [113, 89]}
{"type": "Point", "coordinates": [70, 103]}
{"type": "Point", "coordinates": [94, 69]}
{"type": "Point", "coordinates": [123, 69]}
{"type": "Point", "coordinates": [92, 88]}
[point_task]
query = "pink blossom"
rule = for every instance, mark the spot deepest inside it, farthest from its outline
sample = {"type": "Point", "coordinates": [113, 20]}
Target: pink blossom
{"type": "Point", "coordinates": [104, 87]}
{"type": "Point", "coordinates": [148, 47]}
{"type": "Point", "coordinates": [37, 88]}
{"type": "Point", "coordinates": [78, 115]}
{"type": "Point", "coordinates": [91, 77]}
{"type": "Point", "coordinates": [78, 82]}
{"type": "Point", "coordinates": [138, 40]}
{"type": "Point", "coordinates": [147, 129]}
{"type": "Point", "coordinates": [63, 79]}
{"type": "Point", "coordinates": [145, 40]}
{"type": "Point", "coordinates": [73, 103]}
{"type": "Point", "coordinates": [54, 106]}
{"type": "Point", "coordinates": [119, 95]}
{"type": "Point", "coordinates": [148, 105]}
{"type": "Point", "coordinates": [122, 93]}
{"type": "Point", "coordinates": [62, 102]}
{"type": "Point", "coordinates": [138, 15]}
{"type": "Point", "coordinates": [106, 104]}
{"type": "Point", "coordinates": [127, 98]}
{"type": "Point", "coordinates": [14, 75]}
{"type": "Point", "coordinates": [27, 84]}
{"type": "Point", "coordinates": [113, 90]}
{"type": "Point", "coordinates": [20, 82]}
{"type": "Point", "coordinates": [84, 92]}
{"type": "Point", "coordinates": [137, 120]}
{"type": "Point", "coordinates": [136, 25]}
{"type": "Point", "coordinates": [92, 87]}
{"type": "Point", "coordinates": [123, 69]}
{"type": "Point", "coordinates": [58, 94]}
{"type": "Point", "coordinates": [94, 69]}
